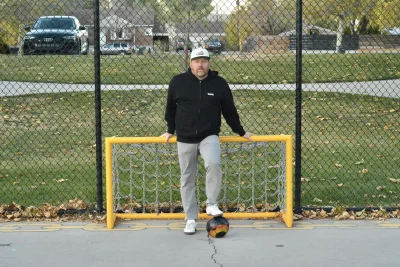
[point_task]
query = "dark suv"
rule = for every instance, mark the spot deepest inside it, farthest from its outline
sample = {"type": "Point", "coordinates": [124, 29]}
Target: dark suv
{"type": "Point", "coordinates": [213, 45]}
{"type": "Point", "coordinates": [180, 43]}
{"type": "Point", "coordinates": [56, 35]}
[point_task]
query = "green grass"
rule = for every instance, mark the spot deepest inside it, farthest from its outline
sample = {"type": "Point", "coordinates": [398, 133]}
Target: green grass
{"type": "Point", "coordinates": [351, 150]}
{"type": "Point", "coordinates": [158, 69]}
{"type": "Point", "coordinates": [48, 154]}
{"type": "Point", "coordinates": [350, 142]}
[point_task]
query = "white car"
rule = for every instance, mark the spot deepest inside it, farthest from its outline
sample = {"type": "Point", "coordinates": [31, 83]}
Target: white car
{"type": "Point", "coordinates": [116, 48]}
{"type": "Point", "coordinates": [394, 31]}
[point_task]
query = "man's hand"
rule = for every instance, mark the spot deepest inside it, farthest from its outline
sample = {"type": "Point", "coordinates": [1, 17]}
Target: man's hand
{"type": "Point", "coordinates": [247, 136]}
{"type": "Point", "coordinates": [167, 136]}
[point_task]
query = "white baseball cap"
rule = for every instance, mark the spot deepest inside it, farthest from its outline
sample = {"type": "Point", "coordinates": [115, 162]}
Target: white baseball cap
{"type": "Point", "coordinates": [199, 52]}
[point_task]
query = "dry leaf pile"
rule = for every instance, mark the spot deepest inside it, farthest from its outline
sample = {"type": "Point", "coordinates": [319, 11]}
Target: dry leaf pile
{"type": "Point", "coordinates": [341, 213]}
{"type": "Point", "coordinates": [64, 212]}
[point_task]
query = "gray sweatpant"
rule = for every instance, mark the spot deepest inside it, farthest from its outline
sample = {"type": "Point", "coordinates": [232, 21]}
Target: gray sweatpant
{"type": "Point", "coordinates": [209, 150]}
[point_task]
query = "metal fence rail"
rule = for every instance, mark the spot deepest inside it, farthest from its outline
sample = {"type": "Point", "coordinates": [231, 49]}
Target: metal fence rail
{"type": "Point", "coordinates": [73, 73]}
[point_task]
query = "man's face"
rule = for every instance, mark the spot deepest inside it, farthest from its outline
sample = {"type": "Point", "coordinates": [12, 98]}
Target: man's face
{"type": "Point", "coordinates": [200, 67]}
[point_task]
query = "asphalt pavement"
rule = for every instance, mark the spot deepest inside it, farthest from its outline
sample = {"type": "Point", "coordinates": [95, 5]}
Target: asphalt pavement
{"type": "Point", "coordinates": [310, 243]}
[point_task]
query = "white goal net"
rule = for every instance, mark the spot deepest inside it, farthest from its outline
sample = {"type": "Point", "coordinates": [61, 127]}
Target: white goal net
{"type": "Point", "coordinates": [143, 178]}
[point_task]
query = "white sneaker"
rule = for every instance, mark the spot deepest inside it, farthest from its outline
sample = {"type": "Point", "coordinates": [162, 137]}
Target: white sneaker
{"type": "Point", "coordinates": [213, 210]}
{"type": "Point", "coordinates": [190, 228]}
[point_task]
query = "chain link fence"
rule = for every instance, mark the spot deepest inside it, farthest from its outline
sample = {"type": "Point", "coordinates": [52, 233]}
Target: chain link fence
{"type": "Point", "coordinates": [326, 72]}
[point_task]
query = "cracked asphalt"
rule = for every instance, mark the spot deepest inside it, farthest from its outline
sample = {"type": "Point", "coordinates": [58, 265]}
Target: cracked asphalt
{"type": "Point", "coordinates": [310, 243]}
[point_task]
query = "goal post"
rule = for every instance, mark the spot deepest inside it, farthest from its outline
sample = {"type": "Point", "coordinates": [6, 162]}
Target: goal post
{"type": "Point", "coordinates": [142, 178]}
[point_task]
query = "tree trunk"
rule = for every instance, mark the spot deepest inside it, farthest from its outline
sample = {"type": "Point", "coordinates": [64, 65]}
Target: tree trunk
{"type": "Point", "coordinates": [339, 40]}
{"type": "Point", "coordinates": [238, 26]}
{"type": "Point", "coordinates": [20, 38]}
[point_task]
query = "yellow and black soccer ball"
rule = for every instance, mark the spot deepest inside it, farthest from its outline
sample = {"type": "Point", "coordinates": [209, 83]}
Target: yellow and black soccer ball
{"type": "Point", "coordinates": [217, 227]}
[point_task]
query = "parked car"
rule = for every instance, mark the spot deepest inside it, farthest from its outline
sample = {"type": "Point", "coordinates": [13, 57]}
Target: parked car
{"type": "Point", "coordinates": [213, 45]}
{"type": "Point", "coordinates": [147, 49]}
{"type": "Point", "coordinates": [56, 35]}
{"type": "Point", "coordinates": [116, 48]}
{"type": "Point", "coordinates": [180, 44]}
{"type": "Point", "coordinates": [394, 31]}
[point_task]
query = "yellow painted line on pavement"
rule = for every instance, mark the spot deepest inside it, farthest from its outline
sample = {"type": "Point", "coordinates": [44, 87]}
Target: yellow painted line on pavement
{"type": "Point", "coordinates": [138, 226]}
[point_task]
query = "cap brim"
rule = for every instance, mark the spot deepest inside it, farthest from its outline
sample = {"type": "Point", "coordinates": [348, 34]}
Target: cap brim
{"type": "Point", "coordinates": [200, 57]}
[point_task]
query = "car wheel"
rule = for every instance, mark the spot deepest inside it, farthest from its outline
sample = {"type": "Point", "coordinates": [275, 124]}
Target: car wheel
{"type": "Point", "coordinates": [86, 52]}
{"type": "Point", "coordinates": [77, 50]}
{"type": "Point", "coordinates": [177, 50]}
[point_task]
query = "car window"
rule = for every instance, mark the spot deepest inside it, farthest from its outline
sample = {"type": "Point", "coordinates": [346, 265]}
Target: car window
{"type": "Point", "coordinates": [44, 24]}
{"type": "Point", "coordinates": [67, 24]}
{"type": "Point", "coordinates": [116, 45]}
{"type": "Point", "coordinates": [54, 23]}
{"type": "Point", "coordinates": [124, 45]}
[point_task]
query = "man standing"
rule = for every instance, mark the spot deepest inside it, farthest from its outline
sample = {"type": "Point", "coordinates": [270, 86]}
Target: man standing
{"type": "Point", "coordinates": [196, 99]}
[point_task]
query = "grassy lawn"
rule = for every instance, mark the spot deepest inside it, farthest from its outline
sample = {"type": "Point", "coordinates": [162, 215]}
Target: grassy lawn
{"type": "Point", "coordinates": [158, 69]}
{"type": "Point", "coordinates": [351, 147]}
{"type": "Point", "coordinates": [350, 142]}
{"type": "Point", "coordinates": [351, 150]}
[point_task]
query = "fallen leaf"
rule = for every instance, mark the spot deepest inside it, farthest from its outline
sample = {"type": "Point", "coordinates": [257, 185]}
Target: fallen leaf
{"type": "Point", "coordinates": [317, 200]}
{"type": "Point", "coordinates": [323, 213]}
{"type": "Point", "coordinates": [321, 118]}
{"type": "Point", "coordinates": [360, 162]}
{"type": "Point", "coordinates": [61, 180]}
{"type": "Point", "coordinates": [396, 181]}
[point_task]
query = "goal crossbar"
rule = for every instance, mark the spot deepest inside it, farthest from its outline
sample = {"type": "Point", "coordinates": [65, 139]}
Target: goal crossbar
{"type": "Point", "coordinates": [287, 214]}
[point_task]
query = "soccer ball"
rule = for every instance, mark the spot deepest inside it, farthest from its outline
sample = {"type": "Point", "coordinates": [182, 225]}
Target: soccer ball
{"type": "Point", "coordinates": [217, 227]}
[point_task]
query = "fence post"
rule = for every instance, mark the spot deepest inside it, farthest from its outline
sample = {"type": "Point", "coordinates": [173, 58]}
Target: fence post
{"type": "Point", "coordinates": [299, 36]}
{"type": "Point", "coordinates": [97, 96]}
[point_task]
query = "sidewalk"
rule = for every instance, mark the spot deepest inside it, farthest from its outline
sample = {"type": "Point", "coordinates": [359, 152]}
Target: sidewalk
{"type": "Point", "coordinates": [381, 88]}
{"type": "Point", "coordinates": [310, 243]}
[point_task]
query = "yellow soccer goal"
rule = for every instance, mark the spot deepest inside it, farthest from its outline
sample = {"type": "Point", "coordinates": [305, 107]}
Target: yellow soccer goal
{"type": "Point", "coordinates": [143, 178]}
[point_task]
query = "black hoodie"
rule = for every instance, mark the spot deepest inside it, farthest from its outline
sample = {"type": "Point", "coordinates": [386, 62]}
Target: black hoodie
{"type": "Point", "coordinates": [194, 107]}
